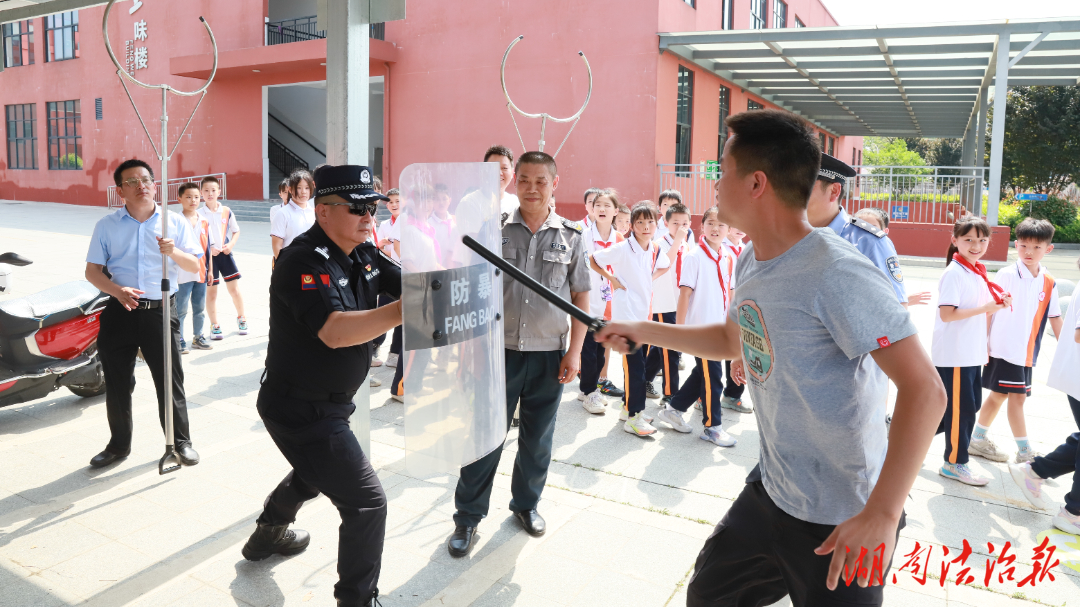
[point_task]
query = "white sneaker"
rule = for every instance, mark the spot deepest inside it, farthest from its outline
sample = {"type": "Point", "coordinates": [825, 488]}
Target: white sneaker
{"type": "Point", "coordinates": [398, 397]}
{"type": "Point", "coordinates": [1030, 484]}
{"type": "Point", "coordinates": [719, 437]}
{"type": "Point", "coordinates": [639, 425]}
{"type": "Point", "coordinates": [985, 448]}
{"type": "Point", "coordinates": [1027, 456]}
{"type": "Point", "coordinates": [624, 415]}
{"type": "Point", "coordinates": [374, 382]}
{"type": "Point", "coordinates": [375, 362]}
{"type": "Point", "coordinates": [391, 361]}
{"type": "Point", "coordinates": [1067, 522]}
{"type": "Point", "coordinates": [594, 403]}
{"type": "Point", "coordinates": [673, 418]}
{"type": "Point", "coordinates": [960, 472]}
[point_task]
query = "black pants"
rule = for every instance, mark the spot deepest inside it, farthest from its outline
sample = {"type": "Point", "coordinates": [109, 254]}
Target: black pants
{"type": "Point", "coordinates": [593, 359]}
{"type": "Point", "coordinates": [122, 334]}
{"type": "Point", "coordinates": [963, 393]}
{"type": "Point", "coordinates": [634, 382]}
{"type": "Point", "coordinates": [732, 389]}
{"type": "Point", "coordinates": [326, 458]}
{"type": "Point", "coordinates": [759, 554]}
{"type": "Point", "coordinates": [662, 358]}
{"type": "Point", "coordinates": [1064, 460]}
{"type": "Point", "coordinates": [532, 380]}
{"type": "Point", "coordinates": [410, 372]}
{"type": "Point", "coordinates": [704, 383]}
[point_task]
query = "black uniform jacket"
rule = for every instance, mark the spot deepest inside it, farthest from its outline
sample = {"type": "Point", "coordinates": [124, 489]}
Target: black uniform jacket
{"type": "Point", "coordinates": [312, 278]}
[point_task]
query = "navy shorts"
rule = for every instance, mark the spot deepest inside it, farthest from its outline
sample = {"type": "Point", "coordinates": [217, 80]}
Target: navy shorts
{"type": "Point", "coordinates": [1003, 377]}
{"type": "Point", "coordinates": [225, 269]}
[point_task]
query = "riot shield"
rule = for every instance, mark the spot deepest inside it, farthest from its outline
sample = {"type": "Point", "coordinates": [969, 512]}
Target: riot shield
{"type": "Point", "coordinates": [452, 351]}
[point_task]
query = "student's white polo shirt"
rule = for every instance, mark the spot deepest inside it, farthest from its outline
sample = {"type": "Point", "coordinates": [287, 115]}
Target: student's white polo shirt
{"type": "Point", "coordinates": [595, 242]}
{"type": "Point", "coordinates": [960, 343]}
{"type": "Point", "coordinates": [709, 302]}
{"type": "Point", "coordinates": [1015, 335]}
{"type": "Point", "coordinates": [291, 221]}
{"type": "Point", "coordinates": [633, 266]}
{"type": "Point", "coordinates": [665, 297]}
{"type": "Point", "coordinates": [391, 230]}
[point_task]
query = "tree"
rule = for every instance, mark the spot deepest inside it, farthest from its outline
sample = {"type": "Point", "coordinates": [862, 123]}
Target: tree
{"type": "Point", "coordinates": [1042, 138]}
{"type": "Point", "coordinates": [939, 152]}
{"type": "Point", "coordinates": [890, 152]}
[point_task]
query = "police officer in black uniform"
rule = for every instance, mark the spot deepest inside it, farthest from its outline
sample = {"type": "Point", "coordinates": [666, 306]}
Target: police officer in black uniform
{"type": "Point", "coordinates": [323, 314]}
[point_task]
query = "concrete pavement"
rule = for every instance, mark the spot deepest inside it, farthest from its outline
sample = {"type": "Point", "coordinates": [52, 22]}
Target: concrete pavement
{"type": "Point", "coordinates": [626, 516]}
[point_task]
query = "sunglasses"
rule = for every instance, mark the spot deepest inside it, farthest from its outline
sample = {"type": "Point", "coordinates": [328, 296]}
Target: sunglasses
{"type": "Point", "coordinates": [357, 208]}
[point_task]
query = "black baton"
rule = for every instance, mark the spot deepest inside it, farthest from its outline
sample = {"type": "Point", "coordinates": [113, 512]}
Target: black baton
{"type": "Point", "coordinates": [592, 323]}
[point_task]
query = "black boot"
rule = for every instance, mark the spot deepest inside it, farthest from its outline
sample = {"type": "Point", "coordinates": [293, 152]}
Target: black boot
{"type": "Point", "coordinates": [372, 602]}
{"type": "Point", "coordinates": [270, 539]}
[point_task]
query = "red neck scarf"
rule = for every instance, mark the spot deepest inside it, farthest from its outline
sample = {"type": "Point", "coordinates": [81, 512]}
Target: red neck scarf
{"type": "Point", "coordinates": [996, 291]}
{"type": "Point", "coordinates": [737, 250]}
{"type": "Point", "coordinates": [719, 274]}
{"type": "Point", "coordinates": [678, 260]}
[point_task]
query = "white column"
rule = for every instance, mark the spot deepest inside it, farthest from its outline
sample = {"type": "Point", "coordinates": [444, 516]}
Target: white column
{"type": "Point", "coordinates": [997, 142]}
{"type": "Point", "coordinates": [347, 31]}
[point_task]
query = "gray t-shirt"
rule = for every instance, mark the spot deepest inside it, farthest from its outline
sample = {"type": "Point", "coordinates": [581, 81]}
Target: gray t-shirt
{"type": "Point", "coordinates": [809, 320]}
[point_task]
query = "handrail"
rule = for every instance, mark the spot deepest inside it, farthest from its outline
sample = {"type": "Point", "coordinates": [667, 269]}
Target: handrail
{"type": "Point", "coordinates": [298, 135]}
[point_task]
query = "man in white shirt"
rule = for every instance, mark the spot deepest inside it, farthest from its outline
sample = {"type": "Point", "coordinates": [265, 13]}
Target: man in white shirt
{"type": "Point", "coordinates": [505, 158]}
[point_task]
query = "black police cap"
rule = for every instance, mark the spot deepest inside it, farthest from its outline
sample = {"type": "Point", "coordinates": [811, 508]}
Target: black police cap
{"type": "Point", "coordinates": [832, 170]}
{"type": "Point", "coordinates": [352, 182]}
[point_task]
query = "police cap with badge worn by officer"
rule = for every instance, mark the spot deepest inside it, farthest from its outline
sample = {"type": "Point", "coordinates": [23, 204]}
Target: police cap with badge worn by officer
{"type": "Point", "coordinates": [833, 170]}
{"type": "Point", "coordinates": [353, 183]}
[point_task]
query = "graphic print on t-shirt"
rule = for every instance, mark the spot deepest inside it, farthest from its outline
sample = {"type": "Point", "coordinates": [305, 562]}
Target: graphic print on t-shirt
{"type": "Point", "coordinates": [757, 348]}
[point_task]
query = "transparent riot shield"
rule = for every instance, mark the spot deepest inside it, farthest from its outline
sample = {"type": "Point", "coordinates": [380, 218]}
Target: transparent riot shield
{"type": "Point", "coordinates": [452, 360]}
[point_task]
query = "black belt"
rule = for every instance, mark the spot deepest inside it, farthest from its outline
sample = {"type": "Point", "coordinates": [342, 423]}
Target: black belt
{"type": "Point", "coordinates": [152, 304]}
{"type": "Point", "coordinates": [287, 389]}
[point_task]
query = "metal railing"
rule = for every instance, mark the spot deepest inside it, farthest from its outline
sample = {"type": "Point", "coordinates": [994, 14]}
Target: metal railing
{"type": "Point", "coordinates": [114, 201]}
{"type": "Point", "coordinates": [934, 194]}
{"type": "Point", "coordinates": [282, 158]}
{"type": "Point", "coordinates": [306, 28]}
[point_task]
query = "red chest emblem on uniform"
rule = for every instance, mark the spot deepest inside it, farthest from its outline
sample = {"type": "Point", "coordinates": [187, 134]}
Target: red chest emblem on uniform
{"type": "Point", "coordinates": [884, 342]}
{"type": "Point", "coordinates": [307, 282]}
{"type": "Point", "coordinates": [1042, 295]}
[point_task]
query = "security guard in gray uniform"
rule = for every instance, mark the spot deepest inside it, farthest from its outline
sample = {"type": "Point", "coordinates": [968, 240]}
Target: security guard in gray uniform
{"type": "Point", "coordinates": [540, 356]}
{"type": "Point", "coordinates": [323, 314]}
{"type": "Point", "coordinates": [824, 210]}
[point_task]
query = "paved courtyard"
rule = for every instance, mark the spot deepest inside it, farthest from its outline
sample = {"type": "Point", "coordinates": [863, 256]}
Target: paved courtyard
{"type": "Point", "coordinates": [626, 515]}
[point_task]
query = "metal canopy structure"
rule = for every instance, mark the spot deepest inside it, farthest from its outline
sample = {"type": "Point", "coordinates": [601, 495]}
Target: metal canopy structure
{"type": "Point", "coordinates": [904, 81]}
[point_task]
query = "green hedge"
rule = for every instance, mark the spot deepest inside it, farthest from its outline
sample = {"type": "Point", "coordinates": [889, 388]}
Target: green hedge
{"type": "Point", "coordinates": [1057, 211]}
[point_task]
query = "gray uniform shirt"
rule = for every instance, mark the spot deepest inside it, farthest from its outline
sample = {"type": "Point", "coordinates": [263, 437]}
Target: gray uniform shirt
{"type": "Point", "coordinates": [809, 319]}
{"type": "Point", "coordinates": [555, 256]}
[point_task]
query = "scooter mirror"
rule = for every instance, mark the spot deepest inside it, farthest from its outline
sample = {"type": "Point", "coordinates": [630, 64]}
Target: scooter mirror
{"type": "Point", "coordinates": [14, 259]}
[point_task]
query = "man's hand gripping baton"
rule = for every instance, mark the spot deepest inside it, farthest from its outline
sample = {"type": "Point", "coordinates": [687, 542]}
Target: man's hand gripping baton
{"type": "Point", "coordinates": [593, 324]}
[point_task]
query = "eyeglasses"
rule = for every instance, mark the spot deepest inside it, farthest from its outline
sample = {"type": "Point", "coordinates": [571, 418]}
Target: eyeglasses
{"type": "Point", "coordinates": [357, 208]}
{"type": "Point", "coordinates": [135, 181]}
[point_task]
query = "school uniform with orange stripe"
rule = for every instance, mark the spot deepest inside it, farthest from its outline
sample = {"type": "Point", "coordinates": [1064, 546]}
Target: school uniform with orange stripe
{"type": "Point", "coordinates": [1016, 332]}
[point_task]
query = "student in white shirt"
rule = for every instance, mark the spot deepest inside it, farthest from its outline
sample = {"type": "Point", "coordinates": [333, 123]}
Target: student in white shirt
{"type": "Point", "coordinates": [443, 224]}
{"type": "Point", "coordinates": [1015, 338]}
{"type": "Point", "coordinates": [390, 244]}
{"type": "Point", "coordinates": [666, 199]}
{"type": "Point", "coordinates": [958, 350]}
{"type": "Point", "coordinates": [591, 195]}
{"type": "Point", "coordinates": [665, 302]}
{"type": "Point", "coordinates": [296, 216]}
{"type": "Point", "coordinates": [704, 298]}
{"type": "Point", "coordinates": [733, 390]}
{"type": "Point", "coordinates": [283, 193]}
{"type": "Point", "coordinates": [636, 262]}
{"type": "Point", "coordinates": [224, 234]}
{"type": "Point", "coordinates": [600, 235]}
{"type": "Point", "coordinates": [508, 203]}
{"type": "Point", "coordinates": [1063, 460]}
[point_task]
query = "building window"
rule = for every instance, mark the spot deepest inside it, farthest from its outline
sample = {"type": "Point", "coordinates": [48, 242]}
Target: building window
{"type": "Point", "coordinates": [799, 23]}
{"type": "Point", "coordinates": [779, 14]}
{"type": "Point", "coordinates": [692, 3]}
{"type": "Point", "coordinates": [853, 150]}
{"type": "Point", "coordinates": [860, 158]}
{"type": "Point", "coordinates": [62, 36]}
{"type": "Point", "coordinates": [754, 105]}
{"type": "Point", "coordinates": [821, 140]}
{"type": "Point", "coordinates": [728, 20]}
{"type": "Point", "coordinates": [757, 14]}
{"type": "Point", "coordinates": [21, 136]}
{"type": "Point", "coordinates": [18, 43]}
{"type": "Point", "coordinates": [725, 111]}
{"type": "Point", "coordinates": [832, 146]}
{"type": "Point", "coordinates": [684, 116]}
{"type": "Point", "coordinates": [65, 142]}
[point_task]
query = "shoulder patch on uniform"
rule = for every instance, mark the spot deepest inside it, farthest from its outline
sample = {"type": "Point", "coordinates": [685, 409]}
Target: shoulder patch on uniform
{"type": "Point", "coordinates": [573, 225]}
{"type": "Point", "coordinates": [307, 282]}
{"type": "Point", "coordinates": [867, 226]}
{"type": "Point", "coordinates": [323, 251]}
{"type": "Point", "coordinates": [506, 241]}
{"type": "Point", "coordinates": [894, 268]}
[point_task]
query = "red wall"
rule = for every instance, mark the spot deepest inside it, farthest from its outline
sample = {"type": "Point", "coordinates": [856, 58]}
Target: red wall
{"type": "Point", "coordinates": [932, 240]}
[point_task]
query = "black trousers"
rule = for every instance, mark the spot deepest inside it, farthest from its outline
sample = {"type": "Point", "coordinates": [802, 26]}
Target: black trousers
{"type": "Point", "coordinates": [759, 554]}
{"type": "Point", "coordinates": [704, 383]}
{"type": "Point", "coordinates": [1064, 460]}
{"type": "Point", "coordinates": [732, 389]}
{"type": "Point", "coordinates": [634, 382]}
{"type": "Point", "coordinates": [593, 359]}
{"type": "Point", "coordinates": [326, 458]}
{"type": "Point", "coordinates": [963, 391]}
{"type": "Point", "coordinates": [662, 358]}
{"type": "Point", "coordinates": [122, 334]}
{"type": "Point", "coordinates": [532, 380]}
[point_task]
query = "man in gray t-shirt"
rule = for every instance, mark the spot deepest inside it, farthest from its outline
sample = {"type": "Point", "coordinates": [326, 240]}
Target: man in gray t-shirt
{"type": "Point", "coordinates": [827, 497]}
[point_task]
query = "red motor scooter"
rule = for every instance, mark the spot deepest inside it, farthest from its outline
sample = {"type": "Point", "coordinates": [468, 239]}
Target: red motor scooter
{"type": "Point", "coordinates": [49, 340]}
